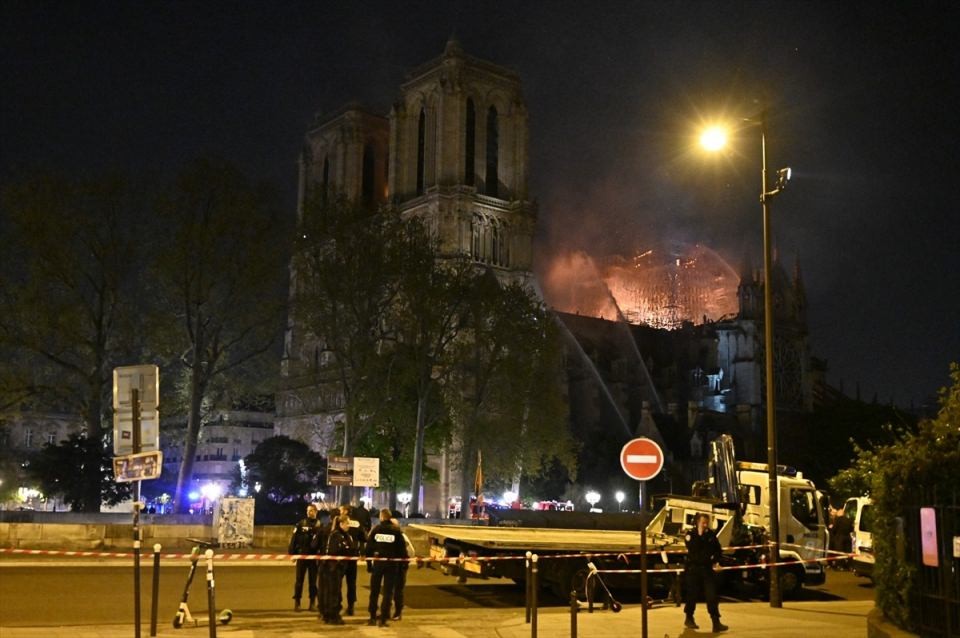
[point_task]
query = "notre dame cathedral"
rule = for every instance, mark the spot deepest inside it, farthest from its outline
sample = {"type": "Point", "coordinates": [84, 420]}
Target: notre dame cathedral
{"type": "Point", "coordinates": [453, 152]}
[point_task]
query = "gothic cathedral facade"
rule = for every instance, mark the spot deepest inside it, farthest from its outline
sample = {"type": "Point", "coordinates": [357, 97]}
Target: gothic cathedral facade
{"type": "Point", "coordinates": [451, 151]}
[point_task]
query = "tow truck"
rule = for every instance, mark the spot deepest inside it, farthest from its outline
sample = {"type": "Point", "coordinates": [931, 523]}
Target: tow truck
{"type": "Point", "coordinates": [736, 495]}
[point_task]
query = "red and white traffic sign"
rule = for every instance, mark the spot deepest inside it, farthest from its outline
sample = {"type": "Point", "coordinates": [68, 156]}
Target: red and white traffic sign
{"type": "Point", "coordinates": [641, 459]}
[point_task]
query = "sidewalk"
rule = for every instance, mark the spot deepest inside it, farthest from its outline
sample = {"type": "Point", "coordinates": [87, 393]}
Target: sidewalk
{"type": "Point", "coordinates": [795, 620]}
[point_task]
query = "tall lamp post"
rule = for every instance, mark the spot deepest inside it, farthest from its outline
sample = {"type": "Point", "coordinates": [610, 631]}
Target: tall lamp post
{"type": "Point", "coordinates": [714, 139]}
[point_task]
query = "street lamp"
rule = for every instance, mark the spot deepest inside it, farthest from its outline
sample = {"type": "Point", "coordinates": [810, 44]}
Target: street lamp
{"type": "Point", "coordinates": [620, 496]}
{"type": "Point", "coordinates": [714, 139]}
{"type": "Point", "coordinates": [593, 498]}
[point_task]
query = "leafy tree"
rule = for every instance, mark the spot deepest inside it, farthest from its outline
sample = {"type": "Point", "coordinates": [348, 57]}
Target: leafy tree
{"type": "Point", "coordinates": [344, 282]}
{"type": "Point", "coordinates": [507, 394]}
{"type": "Point", "coordinates": [895, 476]}
{"type": "Point", "coordinates": [219, 278]}
{"type": "Point", "coordinates": [427, 319]}
{"type": "Point", "coordinates": [287, 471]}
{"type": "Point", "coordinates": [57, 467]}
{"type": "Point", "coordinates": [68, 274]}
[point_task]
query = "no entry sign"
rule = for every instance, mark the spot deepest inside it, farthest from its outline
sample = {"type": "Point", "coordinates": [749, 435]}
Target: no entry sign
{"type": "Point", "coordinates": [641, 459]}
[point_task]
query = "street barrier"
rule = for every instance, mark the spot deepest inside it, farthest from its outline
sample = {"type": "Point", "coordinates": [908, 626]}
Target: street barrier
{"type": "Point", "coordinates": [534, 588]}
{"type": "Point", "coordinates": [828, 555]}
{"type": "Point", "coordinates": [526, 584]}
{"type": "Point", "coordinates": [211, 595]}
{"type": "Point", "coordinates": [574, 610]}
{"type": "Point", "coordinates": [156, 589]}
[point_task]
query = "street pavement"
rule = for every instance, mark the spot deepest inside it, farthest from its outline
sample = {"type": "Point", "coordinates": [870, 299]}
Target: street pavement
{"type": "Point", "coordinates": [61, 599]}
{"type": "Point", "coordinates": [795, 620]}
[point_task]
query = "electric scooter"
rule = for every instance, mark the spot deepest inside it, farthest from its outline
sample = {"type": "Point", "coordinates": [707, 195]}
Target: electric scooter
{"type": "Point", "coordinates": [183, 613]}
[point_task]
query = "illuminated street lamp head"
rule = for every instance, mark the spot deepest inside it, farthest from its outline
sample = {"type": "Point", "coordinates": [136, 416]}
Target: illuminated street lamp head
{"type": "Point", "coordinates": [714, 138]}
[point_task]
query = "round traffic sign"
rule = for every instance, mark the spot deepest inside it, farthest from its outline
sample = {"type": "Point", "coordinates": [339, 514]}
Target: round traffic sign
{"type": "Point", "coordinates": [641, 459]}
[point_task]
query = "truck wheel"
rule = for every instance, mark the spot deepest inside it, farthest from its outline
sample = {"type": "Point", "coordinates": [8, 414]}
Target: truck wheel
{"type": "Point", "coordinates": [791, 581]}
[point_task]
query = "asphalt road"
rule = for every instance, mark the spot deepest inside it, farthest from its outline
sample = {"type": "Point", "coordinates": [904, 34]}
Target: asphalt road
{"type": "Point", "coordinates": [51, 593]}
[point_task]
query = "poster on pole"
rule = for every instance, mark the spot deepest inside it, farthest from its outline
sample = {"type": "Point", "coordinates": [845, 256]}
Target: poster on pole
{"type": "Point", "coordinates": [339, 470]}
{"type": "Point", "coordinates": [137, 467]}
{"type": "Point", "coordinates": [233, 518]}
{"type": "Point", "coordinates": [366, 471]}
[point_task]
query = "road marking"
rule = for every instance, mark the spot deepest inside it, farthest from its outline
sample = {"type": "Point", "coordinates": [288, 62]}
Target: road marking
{"type": "Point", "coordinates": [642, 458]}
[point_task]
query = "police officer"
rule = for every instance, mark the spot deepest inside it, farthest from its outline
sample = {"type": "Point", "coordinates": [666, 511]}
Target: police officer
{"type": "Point", "coordinates": [703, 557]}
{"type": "Point", "coordinates": [359, 537]}
{"type": "Point", "coordinates": [385, 541]}
{"type": "Point", "coordinates": [401, 583]}
{"type": "Point", "coordinates": [308, 538]}
{"type": "Point", "coordinates": [341, 543]}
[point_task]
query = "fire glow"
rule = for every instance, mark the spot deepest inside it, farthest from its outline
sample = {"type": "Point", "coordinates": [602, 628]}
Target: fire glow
{"type": "Point", "coordinates": [662, 288]}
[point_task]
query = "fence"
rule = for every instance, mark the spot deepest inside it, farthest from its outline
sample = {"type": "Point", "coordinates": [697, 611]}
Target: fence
{"type": "Point", "coordinates": [932, 530]}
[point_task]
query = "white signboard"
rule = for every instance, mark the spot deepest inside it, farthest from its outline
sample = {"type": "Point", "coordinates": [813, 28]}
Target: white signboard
{"type": "Point", "coordinates": [366, 472]}
{"type": "Point", "coordinates": [233, 519]}
{"type": "Point", "coordinates": [145, 379]}
{"type": "Point", "coordinates": [123, 432]}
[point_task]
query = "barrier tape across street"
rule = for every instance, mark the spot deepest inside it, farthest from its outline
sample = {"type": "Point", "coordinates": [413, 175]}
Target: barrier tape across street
{"type": "Point", "coordinates": [450, 560]}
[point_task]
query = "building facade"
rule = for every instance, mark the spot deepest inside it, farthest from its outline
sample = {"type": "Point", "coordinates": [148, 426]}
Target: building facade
{"type": "Point", "coordinates": [452, 151]}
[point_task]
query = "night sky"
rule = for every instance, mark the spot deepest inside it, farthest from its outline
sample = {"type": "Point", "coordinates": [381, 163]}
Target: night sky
{"type": "Point", "coordinates": [862, 99]}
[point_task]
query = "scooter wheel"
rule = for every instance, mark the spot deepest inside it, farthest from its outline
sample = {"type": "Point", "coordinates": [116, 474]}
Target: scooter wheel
{"type": "Point", "coordinates": [225, 616]}
{"type": "Point", "coordinates": [177, 621]}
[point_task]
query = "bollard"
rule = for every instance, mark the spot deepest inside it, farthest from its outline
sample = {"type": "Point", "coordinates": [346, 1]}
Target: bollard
{"type": "Point", "coordinates": [534, 586]}
{"type": "Point", "coordinates": [136, 562]}
{"type": "Point", "coordinates": [156, 589]}
{"type": "Point", "coordinates": [526, 584]}
{"type": "Point", "coordinates": [643, 582]}
{"type": "Point", "coordinates": [574, 609]}
{"type": "Point", "coordinates": [211, 595]}
{"type": "Point", "coordinates": [589, 588]}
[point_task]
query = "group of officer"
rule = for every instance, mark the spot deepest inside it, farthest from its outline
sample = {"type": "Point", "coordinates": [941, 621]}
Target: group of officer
{"type": "Point", "coordinates": [349, 535]}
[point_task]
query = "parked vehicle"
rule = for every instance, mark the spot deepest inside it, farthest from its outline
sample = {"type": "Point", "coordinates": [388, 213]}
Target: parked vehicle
{"type": "Point", "coordinates": [736, 496]}
{"type": "Point", "coordinates": [860, 512]}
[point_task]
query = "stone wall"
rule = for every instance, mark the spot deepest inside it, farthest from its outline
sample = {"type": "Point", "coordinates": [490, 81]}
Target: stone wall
{"type": "Point", "coordinates": [118, 537]}
{"type": "Point", "coordinates": [115, 537]}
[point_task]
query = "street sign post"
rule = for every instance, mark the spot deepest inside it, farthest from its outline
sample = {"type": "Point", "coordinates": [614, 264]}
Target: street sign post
{"type": "Point", "coordinates": [136, 386]}
{"type": "Point", "coordinates": [137, 467]}
{"type": "Point", "coordinates": [353, 471]}
{"type": "Point", "coordinates": [136, 394]}
{"type": "Point", "coordinates": [642, 459]}
{"type": "Point", "coordinates": [366, 471]}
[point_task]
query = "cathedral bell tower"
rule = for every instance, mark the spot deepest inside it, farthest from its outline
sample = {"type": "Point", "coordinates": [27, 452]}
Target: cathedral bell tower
{"type": "Point", "coordinates": [458, 160]}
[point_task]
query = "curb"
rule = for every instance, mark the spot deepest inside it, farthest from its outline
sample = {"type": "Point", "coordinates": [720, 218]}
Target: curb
{"type": "Point", "coordinates": [879, 627]}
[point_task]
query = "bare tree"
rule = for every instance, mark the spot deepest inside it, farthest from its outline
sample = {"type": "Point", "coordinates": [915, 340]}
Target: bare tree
{"type": "Point", "coordinates": [220, 270]}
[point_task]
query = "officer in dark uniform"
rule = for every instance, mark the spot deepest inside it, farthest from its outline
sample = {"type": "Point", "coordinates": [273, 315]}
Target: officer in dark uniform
{"type": "Point", "coordinates": [359, 536]}
{"type": "Point", "coordinates": [341, 543]}
{"type": "Point", "coordinates": [308, 537]}
{"type": "Point", "coordinates": [703, 555]}
{"type": "Point", "coordinates": [385, 541]}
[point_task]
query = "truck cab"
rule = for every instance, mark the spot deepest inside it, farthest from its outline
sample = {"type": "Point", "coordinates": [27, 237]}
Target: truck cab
{"type": "Point", "coordinates": [803, 528]}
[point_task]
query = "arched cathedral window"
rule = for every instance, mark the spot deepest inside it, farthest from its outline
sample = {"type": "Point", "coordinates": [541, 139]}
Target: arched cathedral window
{"type": "Point", "coordinates": [326, 177]}
{"type": "Point", "coordinates": [421, 155]}
{"type": "Point", "coordinates": [470, 144]}
{"type": "Point", "coordinates": [493, 153]}
{"type": "Point", "coordinates": [367, 180]}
